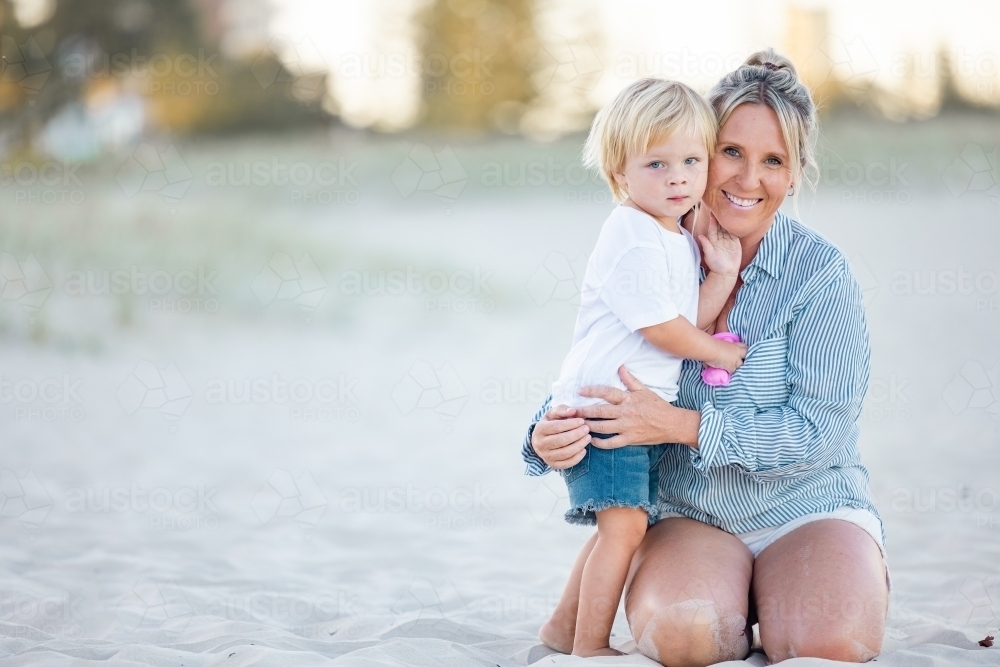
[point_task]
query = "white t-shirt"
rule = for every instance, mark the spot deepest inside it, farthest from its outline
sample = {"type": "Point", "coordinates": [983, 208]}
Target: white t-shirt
{"type": "Point", "coordinates": [639, 275]}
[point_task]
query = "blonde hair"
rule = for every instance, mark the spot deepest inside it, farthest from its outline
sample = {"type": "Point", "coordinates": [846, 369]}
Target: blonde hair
{"type": "Point", "coordinates": [769, 78]}
{"type": "Point", "coordinates": [649, 110]}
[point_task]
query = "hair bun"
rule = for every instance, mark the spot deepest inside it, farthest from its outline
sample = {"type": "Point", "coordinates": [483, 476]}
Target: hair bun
{"type": "Point", "coordinates": [772, 61]}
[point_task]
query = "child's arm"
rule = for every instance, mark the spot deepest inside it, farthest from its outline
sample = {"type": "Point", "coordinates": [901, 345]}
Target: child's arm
{"type": "Point", "coordinates": [722, 254]}
{"type": "Point", "coordinates": [682, 339]}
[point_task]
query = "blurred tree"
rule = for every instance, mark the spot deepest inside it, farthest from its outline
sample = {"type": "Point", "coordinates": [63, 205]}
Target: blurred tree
{"type": "Point", "coordinates": [165, 51]}
{"type": "Point", "coordinates": [474, 63]}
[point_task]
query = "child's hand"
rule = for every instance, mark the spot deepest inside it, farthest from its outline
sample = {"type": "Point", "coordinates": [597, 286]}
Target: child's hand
{"type": "Point", "coordinates": [729, 356]}
{"type": "Point", "coordinates": [721, 250]}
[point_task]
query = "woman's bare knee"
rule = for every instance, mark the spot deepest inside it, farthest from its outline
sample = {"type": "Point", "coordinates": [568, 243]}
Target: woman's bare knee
{"type": "Point", "coordinates": [694, 632]}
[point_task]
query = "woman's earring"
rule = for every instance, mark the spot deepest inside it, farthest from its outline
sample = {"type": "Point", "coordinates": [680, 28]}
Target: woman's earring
{"type": "Point", "coordinates": [791, 190]}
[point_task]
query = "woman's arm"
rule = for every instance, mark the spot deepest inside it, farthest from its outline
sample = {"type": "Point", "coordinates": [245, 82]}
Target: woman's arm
{"type": "Point", "coordinates": [638, 416]}
{"type": "Point", "coordinates": [827, 376]}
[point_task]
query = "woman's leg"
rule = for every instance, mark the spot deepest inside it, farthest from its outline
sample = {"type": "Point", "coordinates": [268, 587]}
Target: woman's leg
{"type": "Point", "coordinates": [558, 631]}
{"type": "Point", "coordinates": [619, 532]}
{"type": "Point", "coordinates": [687, 594]}
{"type": "Point", "coordinates": [820, 591]}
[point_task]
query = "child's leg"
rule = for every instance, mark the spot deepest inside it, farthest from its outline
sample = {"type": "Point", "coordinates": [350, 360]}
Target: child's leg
{"type": "Point", "coordinates": [619, 532]}
{"type": "Point", "coordinates": [559, 630]}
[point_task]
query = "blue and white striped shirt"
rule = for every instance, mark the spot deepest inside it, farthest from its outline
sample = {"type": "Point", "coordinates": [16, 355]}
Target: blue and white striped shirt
{"type": "Point", "coordinates": [781, 440]}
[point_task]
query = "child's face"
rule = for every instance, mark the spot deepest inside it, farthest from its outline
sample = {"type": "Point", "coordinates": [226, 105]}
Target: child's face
{"type": "Point", "coordinates": [669, 178]}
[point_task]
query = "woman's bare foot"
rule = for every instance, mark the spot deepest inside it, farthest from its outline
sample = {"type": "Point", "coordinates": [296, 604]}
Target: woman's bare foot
{"type": "Point", "coordinates": [558, 635]}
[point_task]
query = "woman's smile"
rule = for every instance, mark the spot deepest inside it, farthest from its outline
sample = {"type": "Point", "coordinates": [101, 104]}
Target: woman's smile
{"type": "Point", "coordinates": [742, 202]}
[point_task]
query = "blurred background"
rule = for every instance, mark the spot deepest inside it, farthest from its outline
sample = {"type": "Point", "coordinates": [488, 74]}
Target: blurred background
{"type": "Point", "coordinates": [282, 282]}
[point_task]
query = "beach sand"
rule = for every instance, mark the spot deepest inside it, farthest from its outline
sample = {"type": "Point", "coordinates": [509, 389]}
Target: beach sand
{"type": "Point", "coordinates": [380, 515]}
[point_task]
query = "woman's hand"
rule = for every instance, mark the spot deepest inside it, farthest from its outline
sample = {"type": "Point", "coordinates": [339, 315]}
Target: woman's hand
{"type": "Point", "coordinates": [638, 416]}
{"type": "Point", "coordinates": [561, 438]}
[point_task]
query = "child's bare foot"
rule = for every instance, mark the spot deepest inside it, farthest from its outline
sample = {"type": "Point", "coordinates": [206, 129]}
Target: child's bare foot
{"type": "Point", "coordinates": [590, 653]}
{"type": "Point", "coordinates": [558, 635]}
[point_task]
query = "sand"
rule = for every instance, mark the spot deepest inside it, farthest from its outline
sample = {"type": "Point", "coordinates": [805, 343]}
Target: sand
{"type": "Point", "coordinates": [388, 522]}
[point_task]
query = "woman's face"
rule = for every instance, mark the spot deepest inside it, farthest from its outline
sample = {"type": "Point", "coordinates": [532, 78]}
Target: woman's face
{"type": "Point", "coordinates": [750, 173]}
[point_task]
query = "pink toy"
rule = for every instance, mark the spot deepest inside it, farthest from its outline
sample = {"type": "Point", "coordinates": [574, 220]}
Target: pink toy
{"type": "Point", "coordinates": [719, 377]}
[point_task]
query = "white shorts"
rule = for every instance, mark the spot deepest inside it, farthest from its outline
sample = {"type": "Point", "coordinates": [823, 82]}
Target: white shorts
{"type": "Point", "coordinates": [758, 540]}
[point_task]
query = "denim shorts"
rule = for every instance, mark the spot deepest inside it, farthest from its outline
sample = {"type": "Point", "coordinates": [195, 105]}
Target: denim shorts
{"type": "Point", "coordinates": [622, 477]}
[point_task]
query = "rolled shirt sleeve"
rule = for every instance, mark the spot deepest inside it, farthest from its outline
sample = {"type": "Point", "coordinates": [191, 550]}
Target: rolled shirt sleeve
{"type": "Point", "coordinates": [535, 464]}
{"type": "Point", "coordinates": [827, 376]}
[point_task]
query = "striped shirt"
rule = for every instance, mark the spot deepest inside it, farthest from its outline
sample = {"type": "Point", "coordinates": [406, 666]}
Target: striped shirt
{"type": "Point", "coordinates": [781, 440]}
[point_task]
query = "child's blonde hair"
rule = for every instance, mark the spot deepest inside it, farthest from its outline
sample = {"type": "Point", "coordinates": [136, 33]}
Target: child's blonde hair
{"type": "Point", "coordinates": [647, 111]}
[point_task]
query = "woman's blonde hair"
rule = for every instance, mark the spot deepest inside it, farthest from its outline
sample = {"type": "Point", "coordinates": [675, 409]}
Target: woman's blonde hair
{"type": "Point", "coordinates": [769, 78]}
{"type": "Point", "coordinates": [645, 112]}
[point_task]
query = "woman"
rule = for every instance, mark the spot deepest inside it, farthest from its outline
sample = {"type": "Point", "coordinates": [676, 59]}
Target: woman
{"type": "Point", "coordinates": [766, 514]}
